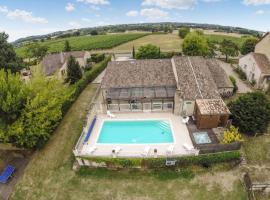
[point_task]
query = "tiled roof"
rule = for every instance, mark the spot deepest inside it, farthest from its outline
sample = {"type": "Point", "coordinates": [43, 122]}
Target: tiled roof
{"type": "Point", "coordinates": [262, 62]}
{"type": "Point", "coordinates": [212, 107]}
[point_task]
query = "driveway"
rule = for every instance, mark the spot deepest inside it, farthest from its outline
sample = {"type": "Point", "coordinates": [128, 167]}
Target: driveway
{"type": "Point", "coordinates": [242, 86]}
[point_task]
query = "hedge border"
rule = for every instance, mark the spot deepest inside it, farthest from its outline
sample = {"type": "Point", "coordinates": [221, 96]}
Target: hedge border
{"type": "Point", "coordinates": [155, 163]}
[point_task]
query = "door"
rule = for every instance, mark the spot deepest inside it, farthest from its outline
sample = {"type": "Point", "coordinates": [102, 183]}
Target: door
{"type": "Point", "coordinates": [188, 108]}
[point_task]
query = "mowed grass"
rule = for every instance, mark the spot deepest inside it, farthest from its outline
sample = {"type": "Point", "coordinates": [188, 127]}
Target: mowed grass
{"type": "Point", "coordinates": [49, 175]}
{"type": "Point", "coordinates": [85, 42]}
{"type": "Point", "coordinates": [166, 42]}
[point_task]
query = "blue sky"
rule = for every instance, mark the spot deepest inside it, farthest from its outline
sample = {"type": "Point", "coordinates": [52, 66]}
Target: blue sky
{"type": "Point", "coordinates": [20, 18]}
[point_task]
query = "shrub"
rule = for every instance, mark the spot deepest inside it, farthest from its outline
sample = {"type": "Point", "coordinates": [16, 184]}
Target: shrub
{"type": "Point", "coordinates": [148, 51]}
{"type": "Point", "coordinates": [231, 135]}
{"type": "Point", "coordinates": [235, 87]}
{"type": "Point", "coordinates": [251, 113]}
{"type": "Point", "coordinates": [195, 45]}
{"type": "Point", "coordinates": [182, 32]}
{"type": "Point", "coordinates": [97, 58]}
{"type": "Point", "coordinates": [241, 73]}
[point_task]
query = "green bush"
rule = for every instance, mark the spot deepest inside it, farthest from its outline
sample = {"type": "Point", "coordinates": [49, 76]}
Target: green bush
{"type": "Point", "coordinates": [97, 57]}
{"type": "Point", "coordinates": [235, 87]}
{"type": "Point", "coordinates": [242, 75]}
{"type": "Point", "coordinates": [155, 163]}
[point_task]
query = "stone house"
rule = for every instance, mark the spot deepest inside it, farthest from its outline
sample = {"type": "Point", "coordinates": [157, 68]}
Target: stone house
{"type": "Point", "coordinates": [263, 46]}
{"type": "Point", "coordinates": [57, 62]}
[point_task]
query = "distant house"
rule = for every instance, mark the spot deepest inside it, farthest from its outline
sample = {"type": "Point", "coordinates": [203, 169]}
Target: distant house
{"type": "Point", "coordinates": [169, 85]}
{"type": "Point", "coordinates": [263, 46]}
{"type": "Point", "coordinates": [257, 68]}
{"type": "Point", "coordinates": [58, 62]}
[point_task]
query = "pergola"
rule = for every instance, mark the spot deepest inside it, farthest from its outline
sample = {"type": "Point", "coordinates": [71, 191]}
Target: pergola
{"type": "Point", "coordinates": [138, 93]}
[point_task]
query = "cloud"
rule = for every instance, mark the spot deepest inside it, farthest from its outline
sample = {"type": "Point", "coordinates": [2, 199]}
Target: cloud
{"type": "Point", "coordinates": [95, 2]}
{"type": "Point", "coordinates": [132, 13]}
{"type": "Point", "coordinates": [170, 4]}
{"type": "Point", "coordinates": [260, 12]}
{"type": "Point", "coordinates": [70, 7]}
{"type": "Point", "coordinates": [22, 15]}
{"type": "Point", "coordinates": [93, 7]}
{"type": "Point", "coordinates": [211, 1]}
{"type": "Point", "coordinates": [154, 13]}
{"type": "Point", "coordinates": [86, 19]}
{"type": "Point", "coordinates": [74, 24]}
{"type": "Point", "coordinates": [256, 2]}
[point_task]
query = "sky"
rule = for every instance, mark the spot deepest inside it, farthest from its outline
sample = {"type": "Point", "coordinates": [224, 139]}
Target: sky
{"type": "Point", "coordinates": [21, 18]}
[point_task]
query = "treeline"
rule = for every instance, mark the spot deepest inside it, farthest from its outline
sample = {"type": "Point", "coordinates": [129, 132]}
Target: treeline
{"type": "Point", "coordinates": [149, 27]}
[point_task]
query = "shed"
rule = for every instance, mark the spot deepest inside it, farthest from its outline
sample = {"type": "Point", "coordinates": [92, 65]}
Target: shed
{"type": "Point", "coordinates": [211, 113]}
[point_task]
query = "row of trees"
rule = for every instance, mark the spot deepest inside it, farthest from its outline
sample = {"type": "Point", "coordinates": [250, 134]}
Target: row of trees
{"type": "Point", "coordinates": [195, 44]}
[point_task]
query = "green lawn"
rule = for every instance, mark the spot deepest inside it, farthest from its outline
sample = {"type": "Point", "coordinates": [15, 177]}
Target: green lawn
{"type": "Point", "coordinates": [86, 42]}
{"type": "Point", "coordinates": [49, 174]}
{"type": "Point", "coordinates": [219, 38]}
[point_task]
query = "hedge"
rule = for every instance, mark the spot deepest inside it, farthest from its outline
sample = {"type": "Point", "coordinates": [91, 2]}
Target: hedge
{"type": "Point", "coordinates": [87, 78]}
{"type": "Point", "coordinates": [152, 163]}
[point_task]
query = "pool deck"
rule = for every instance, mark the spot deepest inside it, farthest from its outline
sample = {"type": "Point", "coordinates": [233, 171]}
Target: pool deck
{"type": "Point", "coordinates": [180, 134]}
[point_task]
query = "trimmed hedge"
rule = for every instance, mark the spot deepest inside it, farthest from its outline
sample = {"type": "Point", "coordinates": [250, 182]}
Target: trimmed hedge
{"type": "Point", "coordinates": [154, 163]}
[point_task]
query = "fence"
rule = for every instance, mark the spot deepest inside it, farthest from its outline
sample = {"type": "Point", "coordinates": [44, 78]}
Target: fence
{"type": "Point", "coordinates": [214, 148]}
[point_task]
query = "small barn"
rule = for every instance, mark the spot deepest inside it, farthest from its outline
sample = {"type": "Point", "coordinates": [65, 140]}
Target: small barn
{"type": "Point", "coordinates": [211, 113]}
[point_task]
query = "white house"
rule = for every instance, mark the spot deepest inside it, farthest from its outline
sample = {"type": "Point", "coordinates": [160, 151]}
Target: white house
{"type": "Point", "coordinates": [257, 68]}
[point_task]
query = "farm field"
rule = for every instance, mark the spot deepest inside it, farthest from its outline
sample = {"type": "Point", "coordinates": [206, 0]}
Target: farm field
{"type": "Point", "coordinates": [219, 38]}
{"type": "Point", "coordinates": [86, 42]}
{"type": "Point", "coordinates": [166, 42]}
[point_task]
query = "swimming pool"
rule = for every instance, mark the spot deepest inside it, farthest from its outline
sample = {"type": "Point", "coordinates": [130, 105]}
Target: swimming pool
{"type": "Point", "coordinates": [135, 132]}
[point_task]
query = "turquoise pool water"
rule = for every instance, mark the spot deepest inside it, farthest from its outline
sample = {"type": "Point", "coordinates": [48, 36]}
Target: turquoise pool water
{"type": "Point", "coordinates": [135, 132]}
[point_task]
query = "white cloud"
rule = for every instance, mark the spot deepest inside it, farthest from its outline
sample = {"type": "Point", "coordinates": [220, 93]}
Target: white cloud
{"type": "Point", "coordinates": [95, 2]}
{"type": "Point", "coordinates": [22, 15]}
{"type": "Point", "coordinates": [211, 1]}
{"type": "Point", "coordinates": [260, 12]}
{"type": "Point", "coordinates": [86, 19]}
{"type": "Point", "coordinates": [256, 2]}
{"type": "Point", "coordinates": [132, 13]}
{"type": "Point", "coordinates": [74, 24]}
{"type": "Point", "coordinates": [170, 4]}
{"type": "Point", "coordinates": [3, 9]}
{"type": "Point", "coordinates": [154, 14]}
{"type": "Point", "coordinates": [25, 16]}
{"type": "Point", "coordinates": [70, 7]}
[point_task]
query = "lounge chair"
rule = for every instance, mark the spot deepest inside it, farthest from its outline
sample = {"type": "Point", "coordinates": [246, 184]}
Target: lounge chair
{"type": "Point", "coordinates": [6, 174]}
{"type": "Point", "coordinates": [188, 147]}
{"type": "Point", "coordinates": [109, 114]}
{"type": "Point", "coordinates": [146, 151]}
{"type": "Point", "coordinates": [185, 120]}
{"type": "Point", "coordinates": [170, 149]}
{"type": "Point", "coordinates": [92, 149]}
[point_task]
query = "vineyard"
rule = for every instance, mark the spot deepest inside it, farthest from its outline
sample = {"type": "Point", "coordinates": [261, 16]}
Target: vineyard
{"type": "Point", "coordinates": [85, 42]}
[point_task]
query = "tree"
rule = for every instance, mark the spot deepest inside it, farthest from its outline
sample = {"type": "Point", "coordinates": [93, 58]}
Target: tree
{"type": "Point", "coordinates": [148, 51]}
{"type": "Point", "coordinates": [195, 45]}
{"type": "Point", "coordinates": [8, 58]}
{"type": "Point", "coordinates": [133, 52]}
{"type": "Point", "coordinates": [74, 72]}
{"type": "Point", "coordinates": [94, 32]}
{"type": "Point", "coordinates": [182, 32]}
{"type": "Point", "coordinates": [228, 48]}
{"type": "Point", "coordinates": [251, 113]}
{"type": "Point", "coordinates": [212, 48]}
{"type": "Point", "coordinates": [248, 45]}
{"type": "Point", "coordinates": [35, 50]}
{"type": "Point", "coordinates": [13, 96]}
{"type": "Point", "coordinates": [67, 46]}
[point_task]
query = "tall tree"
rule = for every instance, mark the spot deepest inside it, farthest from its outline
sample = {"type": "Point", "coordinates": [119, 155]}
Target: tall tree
{"type": "Point", "coordinates": [249, 45]}
{"type": "Point", "coordinates": [148, 51]}
{"type": "Point", "coordinates": [133, 52]}
{"type": "Point", "coordinates": [195, 45]}
{"type": "Point", "coordinates": [37, 51]}
{"type": "Point", "coordinates": [182, 32]}
{"type": "Point", "coordinates": [228, 48]}
{"type": "Point", "coordinates": [74, 72]}
{"type": "Point", "coordinates": [67, 46]}
{"type": "Point", "coordinates": [8, 58]}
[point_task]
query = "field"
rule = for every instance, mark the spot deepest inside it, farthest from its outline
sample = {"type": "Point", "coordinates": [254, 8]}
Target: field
{"type": "Point", "coordinates": [86, 42]}
{"type": "Point", "coordinates": [219, 38]}
{"type": "Point", "coordinates": [166, 42]}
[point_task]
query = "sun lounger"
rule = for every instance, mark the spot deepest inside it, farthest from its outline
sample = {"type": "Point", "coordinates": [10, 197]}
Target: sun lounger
{"type": "Point", "coordinates": [146, 151]}
{"type": "Point", "coordinates": [109, 114]}
{"type": "Point", "coordinates": [92, 149]}
{"type": "Point", "coordinates": [6, 174]}
{"type": "Point", "coordinates": [170, 149]}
